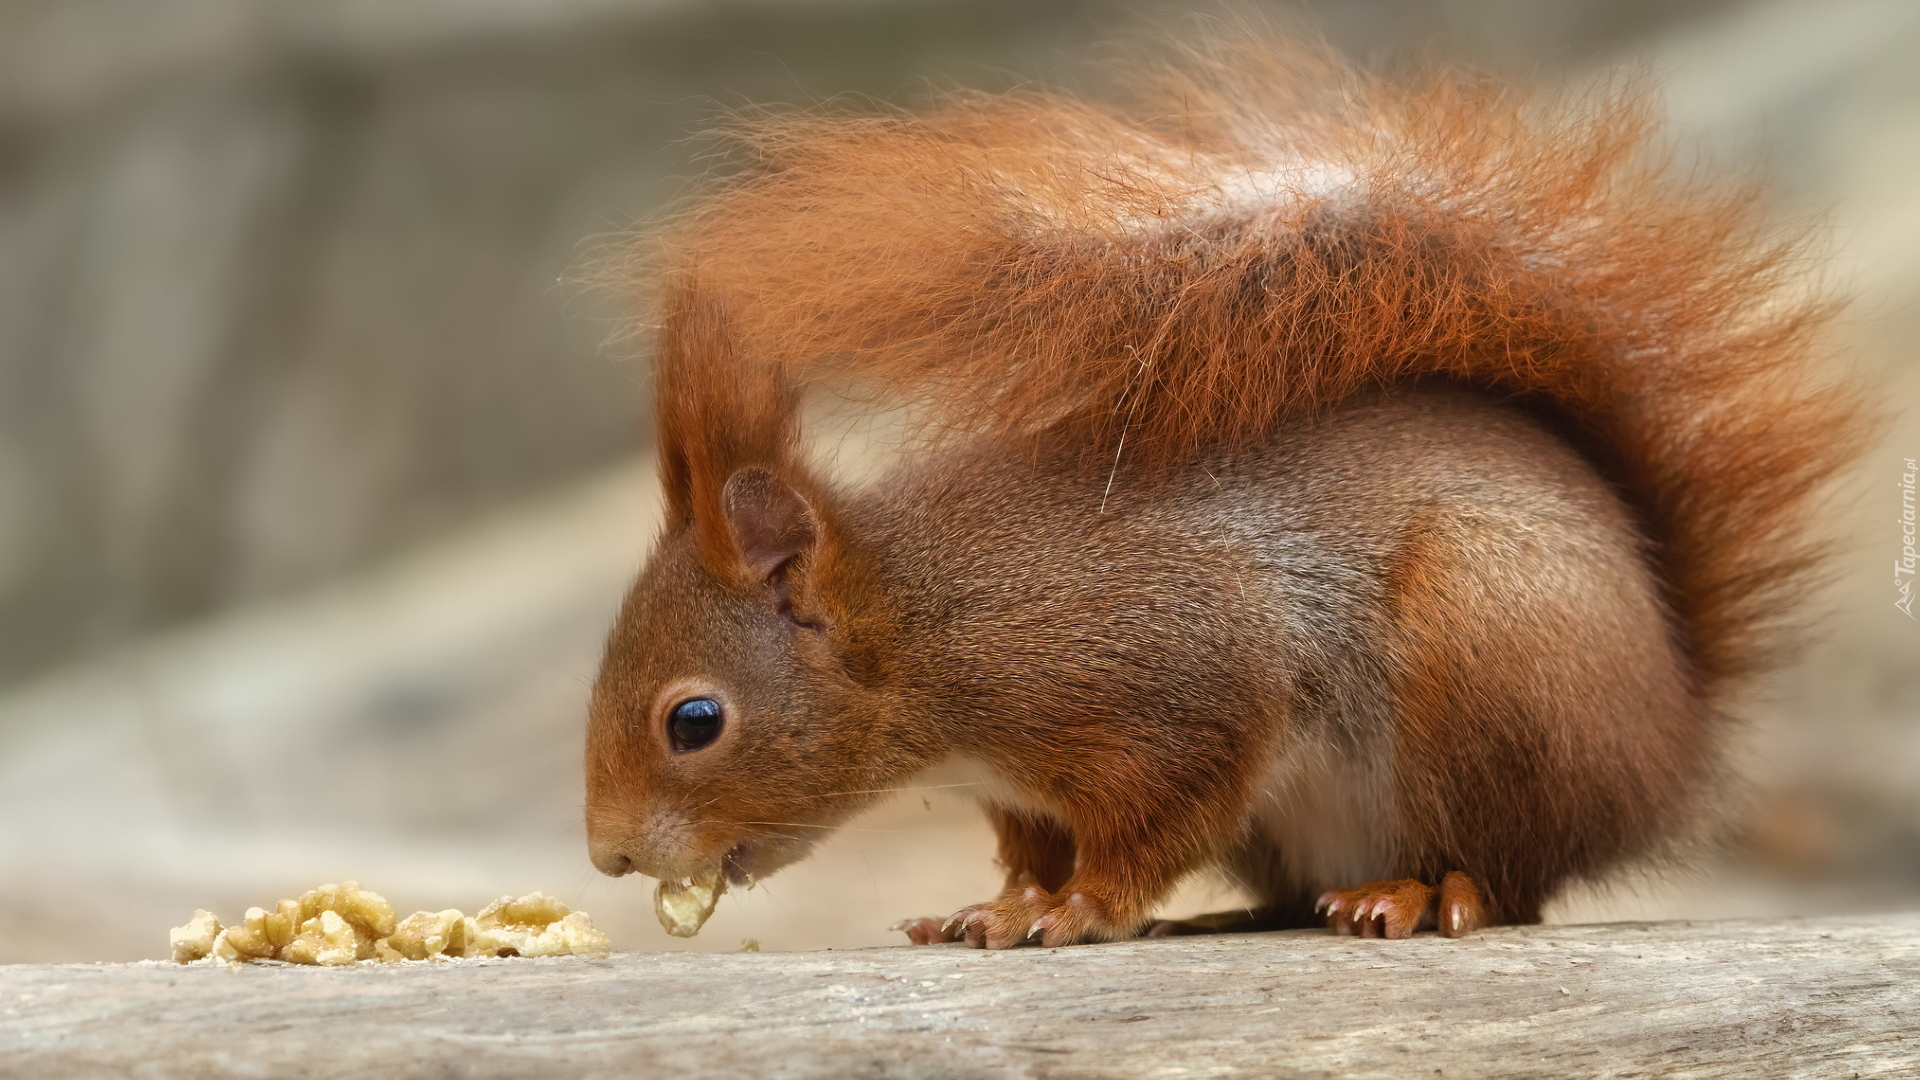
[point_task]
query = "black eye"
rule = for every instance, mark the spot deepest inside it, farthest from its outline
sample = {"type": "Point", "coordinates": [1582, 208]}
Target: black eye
{"type": "Point", "coordinates": [694, 723]}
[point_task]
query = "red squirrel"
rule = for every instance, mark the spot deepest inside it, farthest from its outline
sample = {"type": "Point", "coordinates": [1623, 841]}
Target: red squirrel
{"type": "Point", "coordinates": [1372, 492]}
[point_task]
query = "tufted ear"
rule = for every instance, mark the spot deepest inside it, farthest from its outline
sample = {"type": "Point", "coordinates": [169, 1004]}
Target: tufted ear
{"type": "Point", "coordinates": [725, 423]}
{"type": "Point", "coordinates": [772, 522]}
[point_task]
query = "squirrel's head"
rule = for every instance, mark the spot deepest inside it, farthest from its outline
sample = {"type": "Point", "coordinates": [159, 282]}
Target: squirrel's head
{"type": "Point", "coordinates": [738, 716]}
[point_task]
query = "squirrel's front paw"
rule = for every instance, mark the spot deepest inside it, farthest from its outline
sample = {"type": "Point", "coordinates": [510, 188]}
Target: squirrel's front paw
{"type": "Point", "coordinates": [1002, 923]}
{"type": "Point", "coordinates": [1033, 914]}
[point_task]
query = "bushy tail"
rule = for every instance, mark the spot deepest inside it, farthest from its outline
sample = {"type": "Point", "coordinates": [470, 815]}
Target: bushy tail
{"type": "Point", "coordinates": [1266, 235]}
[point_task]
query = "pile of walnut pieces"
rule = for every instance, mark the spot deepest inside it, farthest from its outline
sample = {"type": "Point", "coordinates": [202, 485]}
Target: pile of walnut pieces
{"type": "Point", "coordinates": [344, 924]}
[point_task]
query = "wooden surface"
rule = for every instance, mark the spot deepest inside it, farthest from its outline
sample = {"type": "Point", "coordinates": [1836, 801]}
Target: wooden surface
{"type": "Point", "coordinates": [1835, 997]}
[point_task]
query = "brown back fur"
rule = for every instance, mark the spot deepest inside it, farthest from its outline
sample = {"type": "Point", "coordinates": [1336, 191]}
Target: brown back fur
{"type": "Point", "coordinates": [1031, 261]}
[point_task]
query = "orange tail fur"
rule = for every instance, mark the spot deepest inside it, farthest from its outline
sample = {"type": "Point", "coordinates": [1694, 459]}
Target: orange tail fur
{"type": "Point", "coordinates": [1264, 235]}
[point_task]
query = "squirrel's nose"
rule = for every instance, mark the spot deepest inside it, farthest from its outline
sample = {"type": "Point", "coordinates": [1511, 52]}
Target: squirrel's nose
{"type": "Point", "coordinates": [607, 858]}
{"type": "Point", "coordinates": [607, 844]}
{"type": "Point", "coordinates": [654, 843]}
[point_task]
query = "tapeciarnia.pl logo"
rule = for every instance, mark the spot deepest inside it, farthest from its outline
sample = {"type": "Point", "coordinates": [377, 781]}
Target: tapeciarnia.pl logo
{"type": "Point", "coordinates": [1903, 567]}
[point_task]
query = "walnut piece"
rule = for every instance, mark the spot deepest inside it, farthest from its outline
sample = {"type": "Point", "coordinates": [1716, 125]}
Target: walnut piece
{"type": "Point", "coordinates": [684, 908]}
{"type": "Point", "coordinates": [341, 924]}
{"type": "Point", "coordinates": [367, 912]}
{"type": "Point", "coordinates": [327, 940]}
{"type": "Point", "coordinates": [533, 925]}
{"type": "Point", "coordinates": [260, 935]}
{"type": "Point", "coordinates": [194, 940]}
{"type": "Point", "coordinates": [424, 935]}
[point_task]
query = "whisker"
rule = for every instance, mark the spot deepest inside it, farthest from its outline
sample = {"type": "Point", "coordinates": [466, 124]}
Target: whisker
{"type": "Point", "coordinates": [893, 790]}
{"type": "Point", "coordinates": [841, 828]}
{"type": "Point", "coordinates": [784, 836]}
{"type": "Point", "coordinates": [862, 791]}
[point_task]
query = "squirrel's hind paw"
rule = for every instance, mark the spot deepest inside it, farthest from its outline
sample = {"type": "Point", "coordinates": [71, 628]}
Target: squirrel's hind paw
{"type": "Point", "coordinates": [1395, 909]}
{"type": "Point", "coordinates": [1379, 909]}
{"type": "Point", "coordinates": [1462, 909]}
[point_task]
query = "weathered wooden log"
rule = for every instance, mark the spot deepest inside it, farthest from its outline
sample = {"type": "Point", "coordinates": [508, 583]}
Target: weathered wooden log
{"type": "Point", "coordinates": [1833, 997]}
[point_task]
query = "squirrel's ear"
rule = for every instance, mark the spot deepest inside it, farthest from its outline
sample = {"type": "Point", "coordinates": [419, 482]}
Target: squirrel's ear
{"type": "Point", "coordinates": [772, 522]}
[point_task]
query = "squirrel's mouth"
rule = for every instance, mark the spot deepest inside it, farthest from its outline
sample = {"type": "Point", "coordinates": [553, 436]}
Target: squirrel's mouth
{"type": "Point", "coordinates": [751, 860]}
{"type": "Point", "coordinates": [734, 864]}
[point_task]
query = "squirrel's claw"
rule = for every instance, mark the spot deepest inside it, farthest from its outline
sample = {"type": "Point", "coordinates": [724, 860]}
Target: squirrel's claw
{"type": "Point", "coordinates": [1462, 909]}
{"type": "Point", "coordinates": [1083, 917]}
{"type": "Point", "coordinates": [929, 929]}
{"type": "Point", "coordinates": [1007, 921]}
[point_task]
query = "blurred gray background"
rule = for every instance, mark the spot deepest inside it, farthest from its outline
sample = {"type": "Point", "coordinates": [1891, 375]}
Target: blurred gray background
{"type": "Point", "coordinates": [319, 478]}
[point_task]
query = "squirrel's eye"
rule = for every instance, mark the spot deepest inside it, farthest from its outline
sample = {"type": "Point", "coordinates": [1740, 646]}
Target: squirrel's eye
{"type": "Point", "coordinates": [694, 723]}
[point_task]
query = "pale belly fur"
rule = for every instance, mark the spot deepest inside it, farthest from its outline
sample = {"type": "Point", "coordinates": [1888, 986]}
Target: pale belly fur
{"type": "Point", "coordinates": [1330, 815]}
